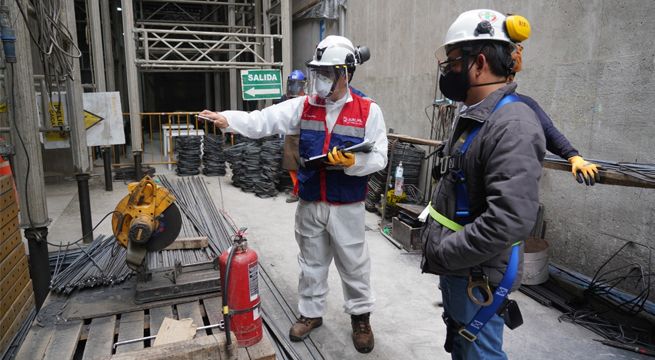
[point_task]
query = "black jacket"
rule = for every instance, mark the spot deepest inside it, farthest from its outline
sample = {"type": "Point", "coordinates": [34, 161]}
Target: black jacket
{"type": "Point", "coordinates": [503, 166]}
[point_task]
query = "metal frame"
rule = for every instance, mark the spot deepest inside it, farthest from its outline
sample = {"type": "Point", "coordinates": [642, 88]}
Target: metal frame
{"type": "Point", "coordinates": [172, 37]}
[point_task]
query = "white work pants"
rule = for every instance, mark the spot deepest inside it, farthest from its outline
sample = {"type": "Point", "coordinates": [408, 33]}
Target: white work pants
{"type": "Point", "coordinates": [323, 232]}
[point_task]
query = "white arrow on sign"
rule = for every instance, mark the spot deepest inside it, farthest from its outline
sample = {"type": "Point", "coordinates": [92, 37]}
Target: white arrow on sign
{"type": "Point", "coordinates": [255, 92]}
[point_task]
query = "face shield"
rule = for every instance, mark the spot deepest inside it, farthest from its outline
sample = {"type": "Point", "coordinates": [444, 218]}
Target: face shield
{"type": "Point", "coordinates": [295, 88]}
{"type": "Point", "coordinates": [324, 81]}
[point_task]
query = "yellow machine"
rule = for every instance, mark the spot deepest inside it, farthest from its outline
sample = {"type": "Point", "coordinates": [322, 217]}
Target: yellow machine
{"type": "Point", "coordinates": [146, 219]}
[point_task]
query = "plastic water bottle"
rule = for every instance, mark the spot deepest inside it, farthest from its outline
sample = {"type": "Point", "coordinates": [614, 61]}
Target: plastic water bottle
{"type": "Point", "coordinates": [398, 186]}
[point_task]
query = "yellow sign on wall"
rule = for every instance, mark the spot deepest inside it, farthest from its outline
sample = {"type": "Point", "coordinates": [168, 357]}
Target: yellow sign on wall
{"type": "Point", "coordinates": [56, 114]}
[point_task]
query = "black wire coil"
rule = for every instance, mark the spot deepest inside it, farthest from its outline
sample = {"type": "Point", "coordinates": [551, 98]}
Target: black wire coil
{"type": "Point", "coordinates": [187, 149]}
{"type": "Point", "coordinates": [213, 157]}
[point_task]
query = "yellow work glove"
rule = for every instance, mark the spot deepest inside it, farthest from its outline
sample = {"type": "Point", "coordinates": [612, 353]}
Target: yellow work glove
{"type": "Point", "coordinates": [339, 158]}
{"type": "Point", "coordinates": [584, 171]}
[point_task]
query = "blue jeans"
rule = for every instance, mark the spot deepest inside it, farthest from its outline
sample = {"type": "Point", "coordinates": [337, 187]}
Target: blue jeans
{"type": "Point", "coordinates": [458, 306]}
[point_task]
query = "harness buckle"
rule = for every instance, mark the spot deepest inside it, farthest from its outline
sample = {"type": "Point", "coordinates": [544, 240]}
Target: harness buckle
{"type": "Point", "coordinates": [479, 280]}
{"type": "Point", "coordinates": [467, 335]}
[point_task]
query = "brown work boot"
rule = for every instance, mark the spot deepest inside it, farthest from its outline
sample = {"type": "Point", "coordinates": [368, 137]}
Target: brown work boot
{"type": "Point", "coordinates": [362, 333]}
{"type": "Point", "coordinates": [303, 327]}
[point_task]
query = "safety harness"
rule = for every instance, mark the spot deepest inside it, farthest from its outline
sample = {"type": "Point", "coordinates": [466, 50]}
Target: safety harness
{"type": "Point", "coordinates": [497, 302]}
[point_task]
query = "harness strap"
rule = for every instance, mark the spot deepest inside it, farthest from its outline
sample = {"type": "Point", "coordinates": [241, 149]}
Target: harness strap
{"type": "Point", "coordinates": [471, 330]}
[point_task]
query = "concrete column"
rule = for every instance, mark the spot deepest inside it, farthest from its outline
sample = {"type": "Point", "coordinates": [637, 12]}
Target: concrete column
{"type": "Point", "coordinates": [268, 42]}
{"type": "Point", "coordinates": [75, 116]}
{"type": "Point", "coordinates": [28, 163]}
{"type": "Point", "coordinates": [342, 20]}
{"type": "Point", "coordinates": [132, 84]}
{"type": "Point", "coordinates": [93, 15]}
{"type": "Point", "coordinates": [105, 15]}
{"type": "Point", "coordinates": [234, 96]}
{"type": "Point", "coordinates": [287, 33]}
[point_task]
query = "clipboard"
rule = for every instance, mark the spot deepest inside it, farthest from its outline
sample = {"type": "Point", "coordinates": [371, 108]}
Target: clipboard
{"type": "Point", "coordinates": [317, 161]}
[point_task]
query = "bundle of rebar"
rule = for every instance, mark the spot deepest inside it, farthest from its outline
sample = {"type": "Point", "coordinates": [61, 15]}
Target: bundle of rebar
{"type": "Point", "coordinates": [101, 263]}
{"type": "Point", "coordinates": [187, 149]}
{"type": "Point", "coordinates": [213, 157]}
{"type": "Point", "coordinates": [640, 171]}
{"type": "Point", "coordinates": [194, 200]}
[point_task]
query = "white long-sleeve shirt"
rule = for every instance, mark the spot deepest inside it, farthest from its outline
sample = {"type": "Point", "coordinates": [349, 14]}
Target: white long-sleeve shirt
{"type": "Point", "coordinates": [284, 118]}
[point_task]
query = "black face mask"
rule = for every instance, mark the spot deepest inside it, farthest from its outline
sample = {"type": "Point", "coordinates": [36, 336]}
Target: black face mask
{"type": "Point", "coordinates": [455, 85]}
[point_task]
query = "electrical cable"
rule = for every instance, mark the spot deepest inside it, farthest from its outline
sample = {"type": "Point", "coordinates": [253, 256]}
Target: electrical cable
{"type": "Point", "coordinates": [20, 138]}
{"type": "Point", "coordinates": [600, 288]}
{"type": "Point", "coordinates": [85, 235]}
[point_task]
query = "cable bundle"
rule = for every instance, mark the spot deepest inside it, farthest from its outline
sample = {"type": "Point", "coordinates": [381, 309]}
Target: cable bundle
{"type": "Point", "coordinates": [236, 157]}
{"type": "Point", "coordinates": [188, 154]}
{"type": "Point", "coordinates": [271, 164]}
{"type": "Point", "coordinates": [213, 157]}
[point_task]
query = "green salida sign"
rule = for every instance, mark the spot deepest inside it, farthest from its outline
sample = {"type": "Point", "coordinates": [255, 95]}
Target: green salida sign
{"type": "Point", "coordinates": [261, 84]}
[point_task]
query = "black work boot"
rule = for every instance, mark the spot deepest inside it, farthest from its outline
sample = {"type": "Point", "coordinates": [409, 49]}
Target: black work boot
{"type": "Point", "coordinates": [303, 327]}
{"type": "Point", "coordinates": [362, 333]}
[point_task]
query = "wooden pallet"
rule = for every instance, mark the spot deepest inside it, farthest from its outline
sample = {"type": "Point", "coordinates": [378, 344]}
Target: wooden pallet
{"type": "Point", "coordinates": [16, 294]}
{"type": "Point", "coordinates": [93, 338]}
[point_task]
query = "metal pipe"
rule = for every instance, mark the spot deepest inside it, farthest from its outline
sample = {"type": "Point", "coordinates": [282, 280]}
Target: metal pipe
{"type": "Point", "coordinates": [39, 264]}
{"type": "Point", "coordinates": [85, 206]}
{"type": "Point", "coordinates": [106, 157]}
{"type": "Point", "coordinates": [138, 171]}
{"type": "Point", "coordinates": [125, 342]}
{"type": "Point", "coordinates": [184, 32]}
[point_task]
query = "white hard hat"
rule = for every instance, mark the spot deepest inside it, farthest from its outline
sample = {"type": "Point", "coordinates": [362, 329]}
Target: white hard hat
{"type": "Point", "coordinates": [475, 25]}
{"type": "Point", "coordinates": [334, 50]}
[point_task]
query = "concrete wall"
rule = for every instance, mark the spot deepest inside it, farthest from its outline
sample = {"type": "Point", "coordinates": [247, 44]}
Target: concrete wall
{"type": "Point", "coordinates": [590, 65]}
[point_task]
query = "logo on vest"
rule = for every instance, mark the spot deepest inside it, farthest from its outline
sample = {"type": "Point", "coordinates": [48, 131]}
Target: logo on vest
{"type": "Point", "coordinates": [350, 121]}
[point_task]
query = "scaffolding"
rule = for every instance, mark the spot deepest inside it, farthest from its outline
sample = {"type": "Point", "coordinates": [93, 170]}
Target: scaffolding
{"type": "Point", "coordinates": [196, 35]}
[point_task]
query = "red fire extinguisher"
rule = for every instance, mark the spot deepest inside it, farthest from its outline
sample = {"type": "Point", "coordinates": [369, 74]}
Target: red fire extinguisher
{"type": "Point", "coordinates": [240, 283]}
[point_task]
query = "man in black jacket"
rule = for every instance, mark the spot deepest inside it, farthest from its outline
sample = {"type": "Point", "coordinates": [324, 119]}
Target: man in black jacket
{"type": "Point", "coordinates": [487, 200]}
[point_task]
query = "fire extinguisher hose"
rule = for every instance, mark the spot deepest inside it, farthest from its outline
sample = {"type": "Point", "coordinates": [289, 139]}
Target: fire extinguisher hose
{"type": "Point", "coordinates": [226, 308]}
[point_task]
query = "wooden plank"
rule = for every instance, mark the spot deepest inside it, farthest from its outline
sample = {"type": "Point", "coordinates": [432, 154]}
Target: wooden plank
{"type": "Point", "coordinates": [19, 277]}
{"type": "Point", "coordinates": [101, 338]}
{"type": "Point", "coordinates": [172, 331]}
{"type": "Point", "coordinates": [414, 140]}
{"type": "Point", "coordinates": [10, 261]}
{"type": "Point", "coordinates": [6, 184]}
{"type": "Point", "coordinates": [13, 276]}
{"type": "Point", "coordinates": [213, 309]}
{"type": "Point", "coordinates": [7, 199]}
{"type": "Point", "coordinates": [607, 177]}
{"type": "Point", "coordinates": [8, 337]}
{"type": "Point", "coordinates": [199, 242]}
{"type": "Point", "coordinates": [15, 308]}
{"type": "Point", "coordinates": [130, 327]}
{"type": "Point", "coordinates": [11, 243]}
{"type": "Point", "coordinates": [191, 310]}
{"type": "Point", "coordinates": [206, 347]}
{"type": "Point", "coordinates": [157, 316]}
{"type": "Point", "coordinates": [65, 340]}
{"type": "Point", "coordinates": [262, 350]}
{"type": "Point", "coordinates": [8, 230]}
{"type": "Point", "coordinates": [37, 341]}
{"type": "Point", "coordinates": [7, 214]}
